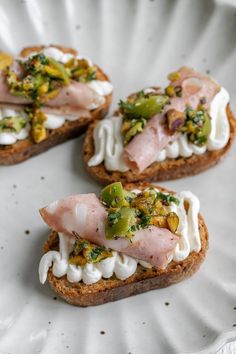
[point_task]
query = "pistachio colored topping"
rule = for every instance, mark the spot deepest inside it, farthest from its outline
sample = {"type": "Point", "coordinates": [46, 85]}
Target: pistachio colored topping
{"type": "Point", "coordinates": [170, 90]}
{"type": "Point", "coordinates": [12, 124]}
{"type": "Point", "coordinates": [80, 70]}
{"type": "Point", "coordinates": [38, 130]}
{"type": "Point", "coordinates": [197, 126]}
{"type": "Point", "coordinates": [128, 212]}
{"type": "Point", "coordinates": [174, 76]}
{"type": "Point", "coordinates": [173, 91]}
{"type": "Point", "coordinates": [137, 110]}
{"type": "Point", "coordinates": [175, 119]}
{"type": "Point", "coordinates": [86, 252]}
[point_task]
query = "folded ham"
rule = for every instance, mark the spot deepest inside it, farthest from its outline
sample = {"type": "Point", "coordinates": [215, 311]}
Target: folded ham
{"type": "Point", "coordinates": [85, 216]}
{"type": "Point", "coordinates": [143, 150]}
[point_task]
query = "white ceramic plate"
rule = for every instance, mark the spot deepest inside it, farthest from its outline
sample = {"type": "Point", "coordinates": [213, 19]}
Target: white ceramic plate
{"type": "Point", "coordinates": [137, 43]}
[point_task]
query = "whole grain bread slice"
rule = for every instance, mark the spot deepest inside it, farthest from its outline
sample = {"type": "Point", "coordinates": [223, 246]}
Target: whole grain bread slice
{"type": "Point", "coordinates": [158, 171]}
{"type": "Point", "coordinates": [24, 149]}
{"type": "Point", "coordinates": [112, 289]}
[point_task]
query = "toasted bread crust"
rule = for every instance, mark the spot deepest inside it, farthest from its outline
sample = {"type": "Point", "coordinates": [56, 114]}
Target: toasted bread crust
{"type": "Point", "coordinates": [24, 149]}
{"type": "Point", "coordinates": [106, 290]}
{"type": "Point", "coordinates": [158, 171]}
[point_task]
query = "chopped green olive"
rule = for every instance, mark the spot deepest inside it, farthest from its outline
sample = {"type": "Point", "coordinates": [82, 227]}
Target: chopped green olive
{"type": "Point", "coordinates": [113, 195]}
{"type": "Point", "coordinates": [119, 224]}
{"type": "Point", "coordinates": [12, 124]}
{"type": "Point", "coordinates": [197, 126]}
{"type": "Point", "coordinates": [57, 70]}
{"type": "Point", "coordinates": [136, 127]}
{"type": "Point", "coordinates": [144, 107]}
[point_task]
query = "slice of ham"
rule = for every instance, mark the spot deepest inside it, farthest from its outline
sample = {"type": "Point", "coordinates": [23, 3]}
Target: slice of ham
{"type": "Point", "coordinates": [195, 86]}
{"type": "Point", "coordinates": [144, 148]}
{"type": "Point", "coordinates": [67, 111]}
{"type": "Point", "coordinates": [85, 216]}
{"type": "Point", "coordinates": [76, 94]}
{"type": "Point", "coordinates": [142, 151]}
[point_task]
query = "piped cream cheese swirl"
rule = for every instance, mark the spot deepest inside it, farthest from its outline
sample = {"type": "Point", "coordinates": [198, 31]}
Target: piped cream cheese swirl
{"type": "Point", "coordinates": [109, 144]}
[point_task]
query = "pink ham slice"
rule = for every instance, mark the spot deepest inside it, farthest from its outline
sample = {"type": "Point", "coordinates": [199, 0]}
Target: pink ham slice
{"type": "Point", "coordinates": [85, 216]}
{"type": "Point", "coordinates": [77, 95]}
{"type": "Point", "coordinates": [143, 150]}
{"type": "Point", "coordinates": [195, 86]}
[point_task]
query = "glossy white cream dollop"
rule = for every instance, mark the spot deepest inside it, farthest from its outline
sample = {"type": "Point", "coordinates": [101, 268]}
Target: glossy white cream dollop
{"type": "Point", "coordinates": [109, 145]}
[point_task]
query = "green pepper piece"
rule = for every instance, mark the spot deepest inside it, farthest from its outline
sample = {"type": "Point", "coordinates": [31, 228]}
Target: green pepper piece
{"type": "Point", "coordinates": [119, 224]}
{"type": "Point", "coordinates": [12, 124]}
{"type": "Point", "coordinates": [113, 195]}
{"type": "Point", "coordinates": [144, 107]}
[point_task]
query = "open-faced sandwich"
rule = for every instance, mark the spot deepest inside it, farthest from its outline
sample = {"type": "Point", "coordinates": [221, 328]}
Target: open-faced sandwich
{"type": "Point", "coordinates": [127, 241]}
{"type": "Point", "coordinates": [47, 95]}
{"type": "Point", "coordinates": [163, 134]}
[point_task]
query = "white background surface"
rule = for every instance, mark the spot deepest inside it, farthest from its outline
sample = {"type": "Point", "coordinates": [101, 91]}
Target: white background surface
{"type": "Point", "coordinates": [137, 43]}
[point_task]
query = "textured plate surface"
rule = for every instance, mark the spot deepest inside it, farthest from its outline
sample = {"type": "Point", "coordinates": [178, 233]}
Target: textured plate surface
{"type": "Point", "coordinates": [137, 43]}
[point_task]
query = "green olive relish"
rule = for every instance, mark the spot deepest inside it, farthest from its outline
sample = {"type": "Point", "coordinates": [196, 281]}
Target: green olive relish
{"type": "Point", "coordinates": [12, 124]}
{"type": "Point", "coordinates": [42, 76]}
{"type": "Point", "coordinates": [86, 252]}
{"type": "Point", "coordinates": [197, 126]}
{"type": "Point", "coordinates": [137, 110]}
{"type": "Point", "coordinates": [128, 212]}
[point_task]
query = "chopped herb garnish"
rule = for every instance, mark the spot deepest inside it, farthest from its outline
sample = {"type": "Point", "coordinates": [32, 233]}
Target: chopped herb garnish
{"type": "Point", "coordinates": [167, 198]}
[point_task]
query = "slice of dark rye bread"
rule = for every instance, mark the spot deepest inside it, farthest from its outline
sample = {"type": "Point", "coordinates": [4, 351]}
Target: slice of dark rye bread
{"type": "Point", "coordinates": [24, 149]}
{"type": "Point", "coordinates": [158, 171]}
{"type": "Point", "coordinates": [106, 290]}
